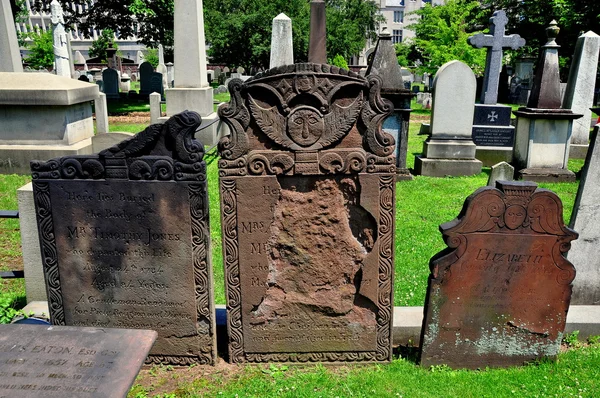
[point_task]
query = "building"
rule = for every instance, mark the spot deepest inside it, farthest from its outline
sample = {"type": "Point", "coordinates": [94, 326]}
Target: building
{"type": "Point", "coordinates": [80, 40]}
{"type": "Point", "coordinates": [397, 14]}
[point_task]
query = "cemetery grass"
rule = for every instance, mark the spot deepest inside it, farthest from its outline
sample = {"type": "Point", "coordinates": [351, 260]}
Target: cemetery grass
{"type": "Point", "coordinates": [574, 374]}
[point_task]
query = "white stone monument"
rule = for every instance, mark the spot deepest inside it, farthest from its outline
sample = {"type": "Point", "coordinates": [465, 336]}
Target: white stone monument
{"type": "Point", "coordinates": [579, 95]}
{"type": "Point", "coordinates": [450, 150]}
{"type": "Point", "coordinates": [585, 219]}
{"type": "Point", "coordinates": [192, 91]}
{"type": "Point", "coordinates": [282, 48]}
{"type": "Point", "coordinates": [43, 116]}
{"type": "Point", "coordinates": [62, 67]}
{"type": "Point", "coordinates": [10, 56]}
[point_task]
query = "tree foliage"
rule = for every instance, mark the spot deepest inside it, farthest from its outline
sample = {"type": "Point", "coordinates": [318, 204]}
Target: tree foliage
{"type": "Point", "coordinates": [441, 36]}
{"type": "Point", "coordinates": [41, 50]}
{"type": "Point", "coordinates": [100, 46]}
{"type": "Point", "coordinates": [150, 20]}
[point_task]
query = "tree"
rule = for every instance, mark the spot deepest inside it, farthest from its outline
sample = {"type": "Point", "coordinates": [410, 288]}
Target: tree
{"type": "Point", "coordinates": [41, 50]}
{"type": "Point", "coordinates": [441, 36]}
{"type": "Point", "coordinates": [100, 46]}
{"type": "Point", "coordinates": [150, 20]}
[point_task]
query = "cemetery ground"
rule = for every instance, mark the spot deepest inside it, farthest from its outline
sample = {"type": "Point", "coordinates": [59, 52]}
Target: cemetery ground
{"type": "Point", "coordinates": [422, 205]}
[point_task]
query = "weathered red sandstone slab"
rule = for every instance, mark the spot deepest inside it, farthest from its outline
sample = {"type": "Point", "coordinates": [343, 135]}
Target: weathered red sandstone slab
{"type": "Point", "coordinates": [63, 361]}
{"type": "Point", "coordinates": [499, 295]}
{"type": "Point", "coordinates": [307, 199]}
{"type": "Point", "coordinates": [125, 240]}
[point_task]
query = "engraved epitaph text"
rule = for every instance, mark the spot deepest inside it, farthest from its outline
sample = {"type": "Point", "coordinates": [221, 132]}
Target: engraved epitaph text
{"type": "Point", "coordinates": [499, 295]}
{"type": "Point", "coordinates": [125, 240]}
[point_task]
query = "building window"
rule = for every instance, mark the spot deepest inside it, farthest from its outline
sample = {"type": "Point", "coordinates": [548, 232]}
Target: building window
{"type": "Point", "coordinates": [397, 36]}
{"type": "Point", "coordinates": [398, 16]}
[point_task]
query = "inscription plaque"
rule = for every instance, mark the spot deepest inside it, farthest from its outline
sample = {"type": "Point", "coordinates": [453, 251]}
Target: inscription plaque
{"type": "Point", "coordinates": [307, 198]}
{"type": "Point", "coordinates": [63, 361]}
{"type": "Point", "coordinates": [499, 295]}
{"type": "Point", "coordinates": [494, 136]}
{"type": "Point", "coordinates": [125, 240]}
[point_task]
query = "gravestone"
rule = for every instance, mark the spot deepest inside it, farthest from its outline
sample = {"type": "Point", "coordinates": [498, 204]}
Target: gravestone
{"type": "Point", "coordinates": [501, 172]}
{"type": "Point", "coordinates": [282, 48]}
{"type": "Point", "coordinates": [53, 361]}
{"type": "Point", "coordinates": [146, 69]}
{"type": "Point", "coordinates": [125, 239]}
{"type": "Point", "coordinates": [492, 131]}
{"type": "Point", "coordinates": [60, 41]}
{"type": "Point", "coordinates": [543, 129]}
{"type": "Point", "coordinates": [385, 65]}
{"type": "Point", "coordinates": [499, 295]}
{"type": "Point", "coordinates": [10, 56]}
{"type": "Point", "coordinates": [307, 181]}
{"type": "Point", "coordinates": [156, 84]}
{"type": "Point", "coordinates": [110, 87]}
{"type": "Point", "coordinates": [450, 149]}
{"type": "Point", "coordinates": [317, 46]}
{"type": "Point", "coordinates": [585, 219]}
{"type": "Point", "coordinates": [579, 96]}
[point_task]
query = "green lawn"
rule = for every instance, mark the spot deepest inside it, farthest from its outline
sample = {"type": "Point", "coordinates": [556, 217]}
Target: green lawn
{"type": "Point", "coordinates": [421, 205]}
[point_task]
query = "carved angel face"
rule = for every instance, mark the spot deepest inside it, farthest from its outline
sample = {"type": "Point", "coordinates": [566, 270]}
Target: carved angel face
{"type": "Point", "coordinates": [514, 216]}
{"type": "Point", "coordinates": [305, 126]}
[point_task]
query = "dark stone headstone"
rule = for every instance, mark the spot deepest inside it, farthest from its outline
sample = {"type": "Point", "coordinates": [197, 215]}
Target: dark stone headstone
{"type": "Point", "coordinates": [145, 70]}
{"type": "Point", "coordinates": [83, 78]}
{"type": "Point", "coordinates": [495, 42]}
{"type": "Point", "coordinates": [55, 361]}
{"type": "Point", "coordinates": [416, 89]}
{"type": "Point", "coordinates": [492, 115]}
{"type": "Point", "coordinates": [499, 295]}
{"type": "Point", "coordinates": [307, 184]}
{"type": "Point", "coordinates": [110, 87]}
{"type": "Point", "coordinates": [156, 83]}
{"type": "Point", "coordinates": [125, 239]}
{"type": "Point", "coordinates": [317, 48]}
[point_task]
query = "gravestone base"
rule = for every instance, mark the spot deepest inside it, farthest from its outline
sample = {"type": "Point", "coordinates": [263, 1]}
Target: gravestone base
{"type": "Point", "coordinates": [449, 149]}
{"type": "Point", "coordinates": [194, 99]}
{"type": "Point", "coordinates": [14, 159]}
{"type": "Point", "coordinates": [446, 167]}
{"type": "Point", "coordinates": [425, 129]}
{"type": "Point", "coordinates": [546, 175]}
{"type": "Point", "coordinates": [403, 175]}
{"type": "Point", "coordinates": [578, 151]}
{"type": "Point", "coordinates": [491, 155]}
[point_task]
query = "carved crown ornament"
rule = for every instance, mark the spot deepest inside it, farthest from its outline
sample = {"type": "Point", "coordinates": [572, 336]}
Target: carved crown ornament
{"type": "Point", "coordinates": [306, 119]}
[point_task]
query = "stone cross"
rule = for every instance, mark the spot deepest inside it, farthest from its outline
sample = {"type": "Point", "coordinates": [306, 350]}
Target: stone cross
{"type": "Point", "coordinates": [317, 50]}
{"type": "Point", "coordinates": [61, 49]}
{"type": "Point", "coordinates": [10, 57]}
{"type": "Point", "coordinates": [495, 42]}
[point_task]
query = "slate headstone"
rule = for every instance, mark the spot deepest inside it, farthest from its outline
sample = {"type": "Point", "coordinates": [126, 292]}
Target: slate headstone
{"type": "Point", "coordinates": [146, 69]}
{"type": "Point", "coordinates": [110, 85]}
{"type": "Point", "coordinates": [62, 361]}
{"type": "Point", "coordinates": [157, 83]}
{"type": "Point", "coordinates": [126, 242]}
{"type": "Point", "coordinates": [307, 217]}
{"type": "Point", "coordinates": [499, 295]}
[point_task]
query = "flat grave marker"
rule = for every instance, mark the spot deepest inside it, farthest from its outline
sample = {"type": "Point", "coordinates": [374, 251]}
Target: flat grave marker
{"type": "Point", "coordinates": [63, 361]}
{"type": "Point", "coordinates": [307, 182]}
{"type": "Point", "coordinates": [499, 294]}
{"type": "Point", "coordinates": [125, 241]}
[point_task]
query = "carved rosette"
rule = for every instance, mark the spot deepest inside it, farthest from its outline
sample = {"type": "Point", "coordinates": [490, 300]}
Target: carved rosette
{"type": "Point", "coordinates": [305, 109]}
{"type": "Point", "coordinates": [162, 152]}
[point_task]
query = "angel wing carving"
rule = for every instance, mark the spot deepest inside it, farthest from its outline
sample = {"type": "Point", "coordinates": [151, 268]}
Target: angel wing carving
{"type": "Point", "coordinates": [340, 120]}
{"type": "Point", "coordinates": [271, 122]}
